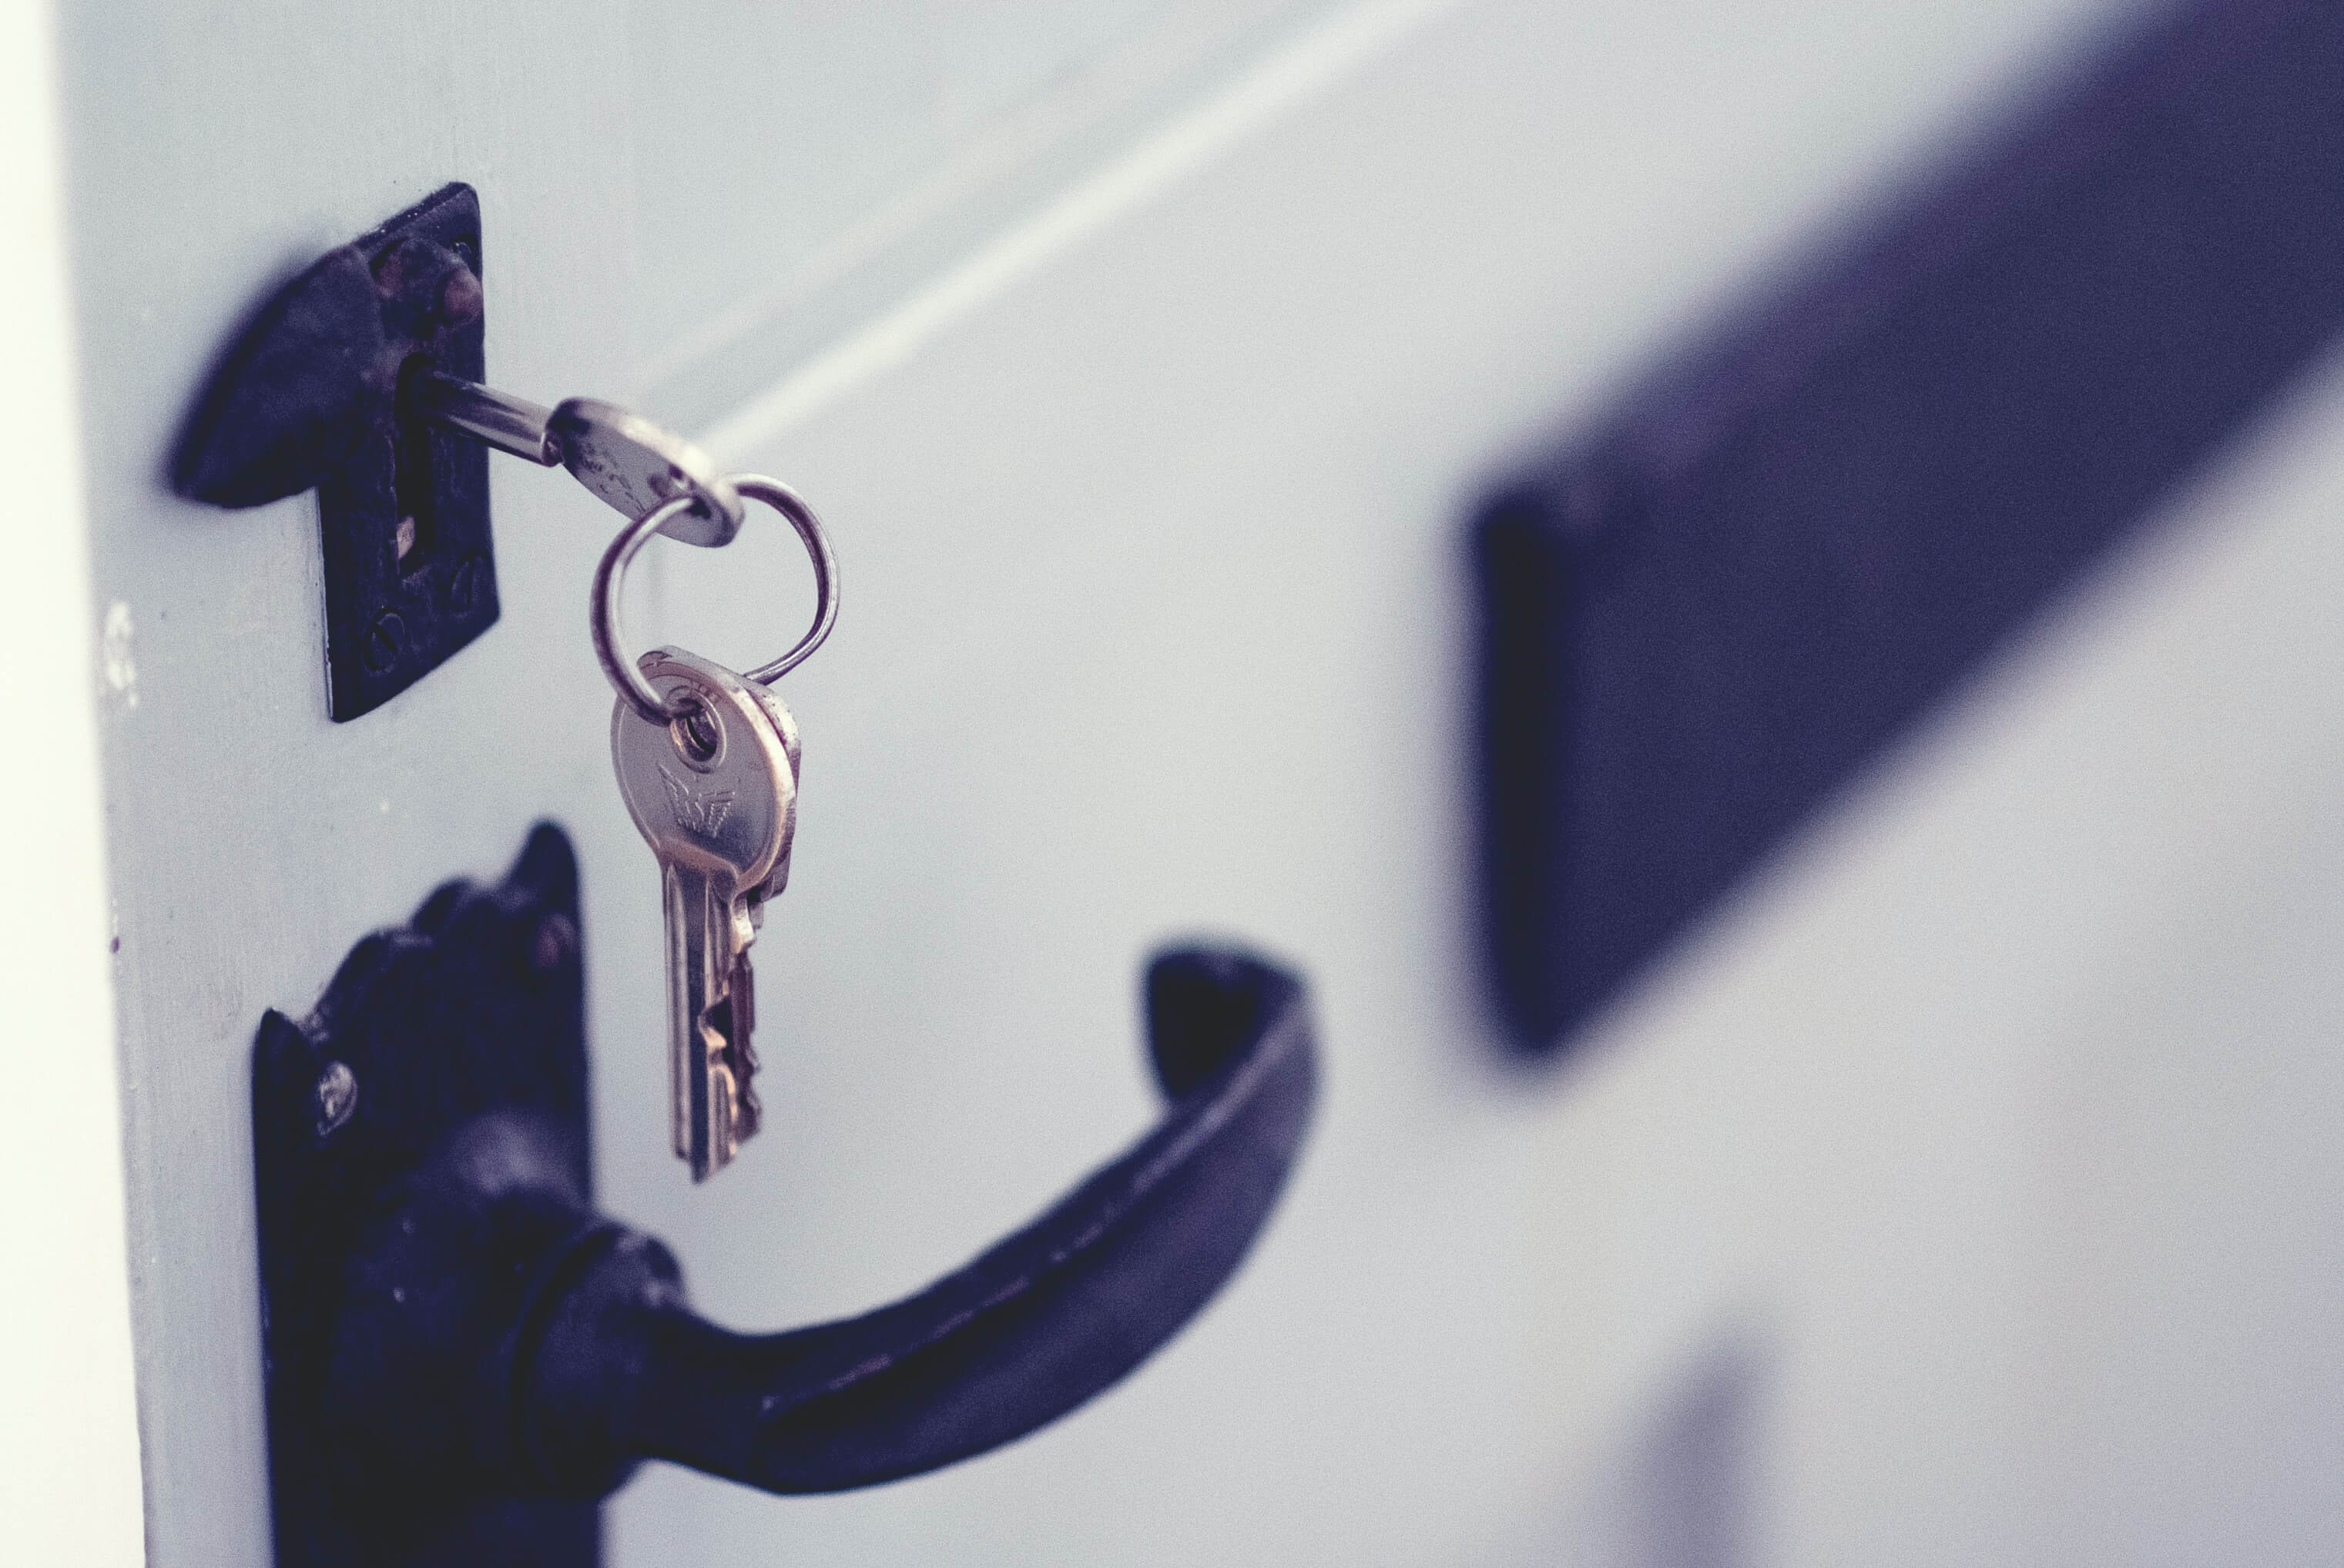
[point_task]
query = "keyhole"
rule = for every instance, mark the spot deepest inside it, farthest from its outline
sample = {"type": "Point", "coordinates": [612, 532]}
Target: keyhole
{"type": "Point", "coordinates": [414, 451]}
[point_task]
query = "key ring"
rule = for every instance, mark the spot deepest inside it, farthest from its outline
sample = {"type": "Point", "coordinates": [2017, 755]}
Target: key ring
{"type": "Point", "coordinates": [608, 577]}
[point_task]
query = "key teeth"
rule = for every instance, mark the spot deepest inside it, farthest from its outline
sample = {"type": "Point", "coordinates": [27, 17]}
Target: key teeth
{"type": "Point", "coordinates": [733, 1110]}
{"type": "Point", "coordinates": [747, 1109]}
{"type": "Point", "coordinates": [740, 1054]}
{"type": "Point", "coordinates": [724, 1135]}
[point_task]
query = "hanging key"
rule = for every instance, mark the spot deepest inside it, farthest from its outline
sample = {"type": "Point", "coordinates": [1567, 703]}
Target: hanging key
{"type": "Point", "coordinates": [707, 760]}
{"type": "Point", "coordinates": [714, 793]}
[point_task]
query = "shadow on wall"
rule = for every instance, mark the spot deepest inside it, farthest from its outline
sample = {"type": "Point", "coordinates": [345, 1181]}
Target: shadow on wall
{"type": "Point", "coordinates": [1676, 1490]}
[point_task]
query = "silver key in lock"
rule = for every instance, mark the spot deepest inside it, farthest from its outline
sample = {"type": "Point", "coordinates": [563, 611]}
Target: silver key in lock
{"type": "Point", "coordinates": [715, 795]}
{"type": "Point", "coordinates": [614, 452]}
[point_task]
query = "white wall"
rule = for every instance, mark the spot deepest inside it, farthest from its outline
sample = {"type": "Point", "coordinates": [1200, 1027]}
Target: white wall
{"type": "Point", "coordinates": [68, 1433]}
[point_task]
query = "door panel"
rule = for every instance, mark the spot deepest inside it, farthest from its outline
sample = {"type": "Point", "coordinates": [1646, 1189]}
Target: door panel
{"type": "Point", "coordinates": [902, 136]}
{"type": "Point", "coordinates": [1153, 623]}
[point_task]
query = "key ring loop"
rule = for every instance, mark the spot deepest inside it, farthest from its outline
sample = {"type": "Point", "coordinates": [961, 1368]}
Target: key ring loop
{"type": "Point", "coordinates": [610, 575]}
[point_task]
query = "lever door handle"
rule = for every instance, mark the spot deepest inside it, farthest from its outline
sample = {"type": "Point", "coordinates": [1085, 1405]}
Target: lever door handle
{"type": "Point", "coordinates": [1033, 1327]}
{"type": "Point", "coordinates": [463, 1355]}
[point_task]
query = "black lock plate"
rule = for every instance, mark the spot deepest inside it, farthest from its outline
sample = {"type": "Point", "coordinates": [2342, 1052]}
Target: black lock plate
{"type": "Point", "coordinates": [309, 396]}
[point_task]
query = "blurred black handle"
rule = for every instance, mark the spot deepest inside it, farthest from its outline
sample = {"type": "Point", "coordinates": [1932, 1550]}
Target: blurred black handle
{"type": "Point", "coordinates": [1708, 609]}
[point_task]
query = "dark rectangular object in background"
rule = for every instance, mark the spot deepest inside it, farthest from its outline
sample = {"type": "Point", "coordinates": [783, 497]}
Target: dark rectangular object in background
{"type": "Point", "coordinates": [1703, 618]}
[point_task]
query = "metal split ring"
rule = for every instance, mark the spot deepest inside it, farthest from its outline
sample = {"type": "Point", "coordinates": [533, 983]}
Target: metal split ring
{"type": "Point", "coordinates": [608, 577]}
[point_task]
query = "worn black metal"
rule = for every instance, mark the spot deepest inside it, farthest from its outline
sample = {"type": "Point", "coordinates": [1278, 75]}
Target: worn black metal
{"type": "Point", "coordinates": [463, 1356]}
{"type": "Point", "coordinates": [1702, 617]}
{"type": "Point", "coordinates": [470, 1017]}
{"type": "Point", "coordinates": [307, 397]}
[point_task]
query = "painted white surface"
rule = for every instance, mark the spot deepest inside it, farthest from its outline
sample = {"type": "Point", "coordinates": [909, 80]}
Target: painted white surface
{"type": "Point", "coordinates": [1967, 1193]}
{"type": "Point", "coordinates": [1301, 67]}
{"type": "Point", "coordinates": [881, 143]}
{"type": "Point", "coordinates": [2009, 1110]}
{"type": "Point", "coordinates": [68, 1428]}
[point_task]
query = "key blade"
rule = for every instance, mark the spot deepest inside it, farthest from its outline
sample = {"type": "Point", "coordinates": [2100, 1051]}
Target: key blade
{"type": "Point", "coordinates": [735, 1018]}
{"type": "Point", "coordinates": [708, 1059]}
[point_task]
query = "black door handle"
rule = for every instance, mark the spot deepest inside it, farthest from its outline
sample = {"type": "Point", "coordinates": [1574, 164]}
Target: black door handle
{"type": "Point", "coordinates": [463, 1355]}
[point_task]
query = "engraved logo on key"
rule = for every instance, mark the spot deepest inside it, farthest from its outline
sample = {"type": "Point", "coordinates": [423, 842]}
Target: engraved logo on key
{"type": "Point", "coordinates": [700, 812]}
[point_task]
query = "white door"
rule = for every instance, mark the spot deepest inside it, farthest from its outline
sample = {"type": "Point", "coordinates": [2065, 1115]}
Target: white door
{"type": "Point", "coordinates": [1143, 358]}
